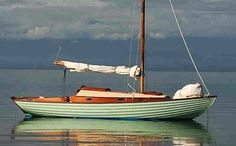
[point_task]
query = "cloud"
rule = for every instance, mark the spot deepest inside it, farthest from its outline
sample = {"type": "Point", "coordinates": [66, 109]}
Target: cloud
{"type": "Point", "coordinates": [112, 19]}
{"type": "Point", "coordinates": [13, 4]}
{"type": "Point", "coordinates": [38, 32]}
{"type": "Point", "coordinates": [112, 36]}
{"type": "Point", "coordinates": [214, 1]}
{"type": "Point", "coordinates": [157, 35]}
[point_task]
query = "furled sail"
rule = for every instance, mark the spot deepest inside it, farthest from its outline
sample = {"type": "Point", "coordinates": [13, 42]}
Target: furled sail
{"type": "Point", "coordinates": [83, 67]}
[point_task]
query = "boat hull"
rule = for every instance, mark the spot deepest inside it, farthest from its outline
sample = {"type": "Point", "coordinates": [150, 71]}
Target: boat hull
{"type": "Point", "coordinates": [172, 109]}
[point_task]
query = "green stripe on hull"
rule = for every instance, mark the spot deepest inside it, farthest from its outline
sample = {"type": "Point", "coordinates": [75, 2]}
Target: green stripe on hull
{"type": "Point", "coordinates": [176, 109]}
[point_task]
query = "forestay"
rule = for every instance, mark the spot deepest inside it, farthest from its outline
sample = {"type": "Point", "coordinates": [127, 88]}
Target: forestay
{"type": "Point", "coordinates": [83, 67]}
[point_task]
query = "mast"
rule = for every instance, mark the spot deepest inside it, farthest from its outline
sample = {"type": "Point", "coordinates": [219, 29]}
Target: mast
{"type": "Point", "coordinates": [142, 44]}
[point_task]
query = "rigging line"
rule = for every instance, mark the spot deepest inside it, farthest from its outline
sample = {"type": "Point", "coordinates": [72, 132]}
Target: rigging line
{"type": "Point", "coordinates": [137, 58]}
{"type": "Point", "coordinates": [131, 41]}
{"type": "Point", "coordinates": [132, 88]}
{"type": "Point", "coordinates": [187, 48]}
{"type": "Point", "coordinates": [64, 82]}
{"type": "Point", "coordinates": [58, 52]}
{"type": "Point", "coordinates": [60, 47]}
{"type": "Point", "coordinates": [136, 61]}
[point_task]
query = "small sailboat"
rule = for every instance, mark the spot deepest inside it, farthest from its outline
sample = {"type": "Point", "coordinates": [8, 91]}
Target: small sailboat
{"type": "Point", "coordinates": [93, 102]}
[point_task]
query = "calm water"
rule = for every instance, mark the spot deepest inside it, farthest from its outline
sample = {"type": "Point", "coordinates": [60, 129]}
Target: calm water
{"type": "Point", "coordinates": [216, 128]}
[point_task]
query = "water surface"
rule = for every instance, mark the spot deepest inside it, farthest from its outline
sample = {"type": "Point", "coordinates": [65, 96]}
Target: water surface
{"type": "Point", "coordinates": [215, 128]}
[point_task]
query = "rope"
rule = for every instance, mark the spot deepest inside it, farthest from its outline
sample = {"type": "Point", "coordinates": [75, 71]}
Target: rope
{"type": "Point", "coordinates": [58, 52]}
{"type": "Point", "coordinates": [60, 47]}
{"type": "Point", "coordinates": [131, 44]}
{"type": "Point", "coordinates": [132, 88]}
{"type": "Point", "coordinates": [136, 61]}
{"type": "Point", "coordinates": [187, 48]}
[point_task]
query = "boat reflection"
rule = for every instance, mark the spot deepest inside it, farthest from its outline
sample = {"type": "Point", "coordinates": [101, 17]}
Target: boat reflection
{"type": "Point", "coordinates": [75, 132]}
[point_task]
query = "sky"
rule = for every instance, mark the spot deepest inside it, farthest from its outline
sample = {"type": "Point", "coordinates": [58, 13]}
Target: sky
{"type": "Point", "coordinates": [32, 31]}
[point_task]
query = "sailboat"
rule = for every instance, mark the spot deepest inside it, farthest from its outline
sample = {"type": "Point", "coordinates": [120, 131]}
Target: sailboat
{"type": "Point", "coordinates": [94, 102]}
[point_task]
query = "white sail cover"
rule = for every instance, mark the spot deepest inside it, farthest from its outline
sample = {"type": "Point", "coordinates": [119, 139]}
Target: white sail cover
{"type": "Point", "coordinates": [189, 91]}
{"type": "Point", "coordinates": [83, 67]}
